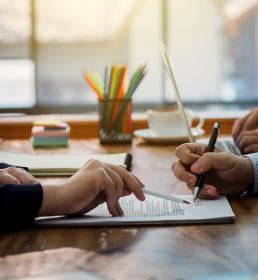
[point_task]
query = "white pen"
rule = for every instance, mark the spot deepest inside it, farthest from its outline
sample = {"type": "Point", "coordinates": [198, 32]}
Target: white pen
{"type": "Point", "coordinates": [165, 196]}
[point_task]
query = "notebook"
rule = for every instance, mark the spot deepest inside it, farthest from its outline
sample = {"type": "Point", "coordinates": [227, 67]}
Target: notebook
{"type": "Point", "coordinates": [61, 164]}
{"type": "Point", "coordinates": [152, 211]}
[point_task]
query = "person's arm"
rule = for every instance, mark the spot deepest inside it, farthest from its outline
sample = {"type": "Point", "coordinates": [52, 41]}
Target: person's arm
{"type": "Point", "coordinates": [93, 184]}
{"type": "Point", "coordinates": [19, 205]}
{"type": "Point", "coordinates": [20, 197]}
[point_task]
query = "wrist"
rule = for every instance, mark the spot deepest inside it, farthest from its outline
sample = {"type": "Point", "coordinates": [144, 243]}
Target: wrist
{"type": "Point", "coordinates": [53, 202]}
{"type": "Point", "coordinates": [253, 159]}
{"type": "Point", "coordinates": [249, 171]}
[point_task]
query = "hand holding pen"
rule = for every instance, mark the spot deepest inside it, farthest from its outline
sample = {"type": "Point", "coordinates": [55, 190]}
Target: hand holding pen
{"type": "Point", "coordinates": [226, 173]}
{"type": "Point", "coordinates": [211, 145]}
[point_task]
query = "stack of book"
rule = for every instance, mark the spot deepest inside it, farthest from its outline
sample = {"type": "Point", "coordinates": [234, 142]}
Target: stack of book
{"type": "Point", "coordinates": [50, 134]}
{"type": "Point", "coordinates": [53, 164]}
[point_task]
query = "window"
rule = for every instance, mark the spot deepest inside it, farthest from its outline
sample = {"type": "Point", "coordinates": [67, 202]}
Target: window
{"type": "Point", "coordinates": [73, 35]}
{"type": "Point", "coordinates": [213, 45]}
{"type": "Point", "coordinates": [46, 44]}
{"type": "Point", "coordinates": [17, 79]}
{"type": "Point", "coordinates": [91, 34]}
{"type": "Point", "coordinates": [17, 83]}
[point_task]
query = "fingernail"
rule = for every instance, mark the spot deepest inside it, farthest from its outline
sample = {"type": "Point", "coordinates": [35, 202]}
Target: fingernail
{"type": "Point", "coordinates": [212, 192]}
{"type": "Point", "coordinates": [191, 180]}
{"type": "Point", "coordinates": [196, 166]}
{"type": "Point", "coordinates": [121, 211]}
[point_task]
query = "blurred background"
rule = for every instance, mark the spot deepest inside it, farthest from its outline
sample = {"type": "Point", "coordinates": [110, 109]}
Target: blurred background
{"type": "Point", "coordinates": [46, 44]}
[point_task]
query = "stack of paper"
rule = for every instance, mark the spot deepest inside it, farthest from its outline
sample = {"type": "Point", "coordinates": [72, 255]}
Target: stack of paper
{"type": "Point", "coordinates": [59, 164]}
{"type": "Point", "coordinates": [50, 134]}
{"type": "Point", "coordinates": [151, 211]}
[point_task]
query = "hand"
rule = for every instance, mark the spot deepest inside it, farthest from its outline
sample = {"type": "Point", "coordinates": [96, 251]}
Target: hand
{"type": "Point", "coordinates": [247, 141]}
{"type": "Point", "coordinates": [90, 186]}
{"type": "Point", "coordinates": [14, 175]}
{"type": "Point", "coordinates": [249, 124]}
{"type": "Point", "coordinates": [226, 173]}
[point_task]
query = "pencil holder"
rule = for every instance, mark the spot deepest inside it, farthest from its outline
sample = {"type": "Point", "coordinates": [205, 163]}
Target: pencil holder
{"type": "Point", "coordinates": [115, 121]}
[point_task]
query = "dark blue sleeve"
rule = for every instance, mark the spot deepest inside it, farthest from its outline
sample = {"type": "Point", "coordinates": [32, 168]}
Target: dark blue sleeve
{"type": "Point", "coordinates": [5, 165]}
{"type": "Point", "coordinates": [19, 205]}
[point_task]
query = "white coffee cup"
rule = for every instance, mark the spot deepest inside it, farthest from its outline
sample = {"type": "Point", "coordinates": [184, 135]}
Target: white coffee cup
{"type": "Point", "coordinates": [170, 123]}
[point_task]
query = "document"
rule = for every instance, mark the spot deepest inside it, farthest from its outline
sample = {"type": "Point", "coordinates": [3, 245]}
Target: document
{"type": "Point", "coordinates": [60, 164]}
{"type": "Point", "coordinates": [151, 211]}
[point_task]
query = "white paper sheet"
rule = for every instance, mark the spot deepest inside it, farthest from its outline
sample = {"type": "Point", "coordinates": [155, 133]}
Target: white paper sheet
{"type": "Point", "coordinates": [152, 211]}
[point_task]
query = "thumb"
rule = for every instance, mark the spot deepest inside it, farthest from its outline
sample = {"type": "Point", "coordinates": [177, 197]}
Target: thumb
{"type": "Point", "coordinates": [218, 161]}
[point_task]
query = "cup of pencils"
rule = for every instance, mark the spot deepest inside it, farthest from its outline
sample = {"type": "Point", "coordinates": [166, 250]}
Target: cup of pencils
{"type": "Point", "coordinates": [115, 102]}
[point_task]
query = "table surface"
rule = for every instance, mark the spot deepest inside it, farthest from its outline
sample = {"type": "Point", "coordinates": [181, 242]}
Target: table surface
{"type": "Point", "coordinates": [149, 252]}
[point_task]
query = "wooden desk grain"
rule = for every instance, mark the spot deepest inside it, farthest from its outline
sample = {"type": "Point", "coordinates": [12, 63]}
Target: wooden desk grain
{"type": "Point", "coordinates": [160, 252]}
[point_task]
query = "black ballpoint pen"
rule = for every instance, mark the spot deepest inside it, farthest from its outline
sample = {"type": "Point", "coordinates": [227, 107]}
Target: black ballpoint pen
{"type": "Point", "coordinates": [209, 148]}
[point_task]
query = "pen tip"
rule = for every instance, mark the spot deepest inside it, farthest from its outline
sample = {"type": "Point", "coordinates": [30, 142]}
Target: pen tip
{"type": "Point", "coordinates": [195, 194]}
{"type": "Point", "coordinates": [186, 202]}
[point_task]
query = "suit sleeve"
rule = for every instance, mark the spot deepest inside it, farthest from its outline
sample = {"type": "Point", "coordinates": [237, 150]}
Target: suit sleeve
{"type": "Point", "coordinates": [254, 159]}
{"type": "Point", "coordinates": [5, 165]}
{"type": "Point", "coordinates": [19, 205]}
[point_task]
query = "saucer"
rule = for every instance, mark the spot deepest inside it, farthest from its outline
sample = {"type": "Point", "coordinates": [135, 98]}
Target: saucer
{"type": "Point", "coordinates": [150, 136]}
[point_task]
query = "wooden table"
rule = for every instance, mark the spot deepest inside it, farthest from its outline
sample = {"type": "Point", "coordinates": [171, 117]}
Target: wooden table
{"type": "Point", "coordinates": [156, 252]}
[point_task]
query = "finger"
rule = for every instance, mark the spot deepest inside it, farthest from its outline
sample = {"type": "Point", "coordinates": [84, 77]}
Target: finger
{"type": "Point", "coordinates": [119, 209]}
{"type": "Point", "coordinates": [126, 192]}
{"type": "Point", "coordinates": [251, 121]}
{"type": "Point", "coordinates": [7, 178]}
{"type": "Point", "coordinates": [190, 187]}
{"type": "Point", "coordinates": [23, 176]}
{"type": "Point", "coordinates": [238, 126]}
{"type": "Point", "coordinates": [119, 185]}
{"type": "Point", "coordinates": [118, 182]}
{"type": "Point", "coordinates": [111, 195]}
{"type": "Point", "coordinates": [182, 174]}
{"type": "Point", "coordinates": [209, 192]}
{"type": "Point", "coordinates": [249, 124]}
{"type": "Point", "coordinates": [219, 161]}
{"type": "Point", "coordinates": [247, 141]}
{"type": "Point", "coordinates": [130, 182]}
{"type": "Point", "coordinates": [190, 152]}
{"type": "Point", "coordinates": [138, 180]}
{"type": "Point", "coordinates": [252, 132]}
{"type": "Point", "coordinates": [244, 134]}
{"type": "Point", "coordinates": [253, 148]}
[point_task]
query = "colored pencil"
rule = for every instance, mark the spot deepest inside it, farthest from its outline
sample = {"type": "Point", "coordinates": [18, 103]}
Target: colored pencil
{"type": "Point", "coordinates": [115, 95]}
